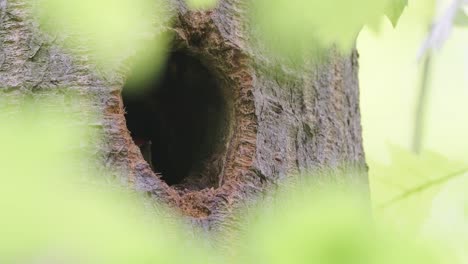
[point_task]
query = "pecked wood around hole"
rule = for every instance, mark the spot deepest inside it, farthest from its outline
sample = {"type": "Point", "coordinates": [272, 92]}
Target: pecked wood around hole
{"type": "Point", "coordinates": [233, 159]}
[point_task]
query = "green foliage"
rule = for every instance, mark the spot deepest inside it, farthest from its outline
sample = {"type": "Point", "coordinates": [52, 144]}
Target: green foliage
{"type": "Point", "coordinates": [328, 224]}
{"type": "Point", "coordinates": [448, 218]}
{"type": "Point", "coordinates": [111, 30]}
{"type": "Point", "coordinates": [424, 196]}
{"type": "Point", "coordinates": [394, 10]}
{"type": "Point", "coordinates": [407, 186]}
{"type": "Point", "coordinates": [300, 28]}
{"type": "Point", "coordinates": [108, 30]}
{"type": "Point", "coordinates": [461, 19]}
{"type": "Point", "coordinates": [51, 213]}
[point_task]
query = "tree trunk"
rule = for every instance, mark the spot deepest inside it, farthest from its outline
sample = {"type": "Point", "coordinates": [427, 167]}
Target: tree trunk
{"type": "Point", "coordinates": [225, 122]}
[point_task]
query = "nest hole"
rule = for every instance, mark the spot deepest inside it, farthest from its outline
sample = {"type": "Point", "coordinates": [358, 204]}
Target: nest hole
{"type": "Point", "coordinates": [179, 120]}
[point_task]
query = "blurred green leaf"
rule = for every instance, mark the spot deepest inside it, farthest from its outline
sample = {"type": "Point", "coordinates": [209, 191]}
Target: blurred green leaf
{"type": "Point", "coordinates": [394, 10]}
{"type": "Point", "coordinates": [306, 224]}
{"type": "Point", "coordinates": [51, 213]}
{"type": "Point", "coordinates": [461, 19]}
{"type": "Point", "coordinates": [448, 218]}
{"type": "Point", "coordinates": [402, 192]}
{"type": "Point", "coordinates": [299, 28]}
{"type": "Point", "coordinates": [108, 31]}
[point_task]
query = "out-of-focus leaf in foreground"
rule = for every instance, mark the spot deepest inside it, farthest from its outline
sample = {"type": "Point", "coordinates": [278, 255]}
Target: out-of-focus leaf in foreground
{"type": "Point", "coordinates": [51, 214]}
{"type": "Point", "coordinates": [327, 226]}
{"type": "Point", "coordinates": [301, 27]}
{"type": "Point", "coordinates": [394, 10]}
{"type": "Point", "coordinates": [110, 31]}
{"type": "Point", "coordinates": [448, 217]}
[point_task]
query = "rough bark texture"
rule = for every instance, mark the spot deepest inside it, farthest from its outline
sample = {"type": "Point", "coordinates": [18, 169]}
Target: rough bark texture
{"type": "Point", "coordinates": [278, 122]}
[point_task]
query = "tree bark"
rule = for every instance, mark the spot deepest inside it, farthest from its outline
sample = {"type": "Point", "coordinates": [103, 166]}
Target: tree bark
{"type": "Point", "coordinates": [276, 121]}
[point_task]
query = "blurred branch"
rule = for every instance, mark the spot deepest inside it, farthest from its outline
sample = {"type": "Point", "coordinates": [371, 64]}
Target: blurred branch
{"type": "Point", "coordinates": [438, 34]}
{"type": "Point", "coordinates": [441, 29]}
{"type": "Point", "coordinates": [421, 105]}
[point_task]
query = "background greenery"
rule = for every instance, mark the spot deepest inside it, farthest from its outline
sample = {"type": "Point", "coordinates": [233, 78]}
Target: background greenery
{"type": "Point", "coordinates": [390, 77]}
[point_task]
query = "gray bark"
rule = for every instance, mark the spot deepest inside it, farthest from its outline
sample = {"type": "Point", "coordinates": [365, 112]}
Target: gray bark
{"type": "Point", "coordinates": [280, 121]}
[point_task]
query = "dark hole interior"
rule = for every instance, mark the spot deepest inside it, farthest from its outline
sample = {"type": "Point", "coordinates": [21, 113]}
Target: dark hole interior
{"type": "Point", "coordinates": [177, 118]}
